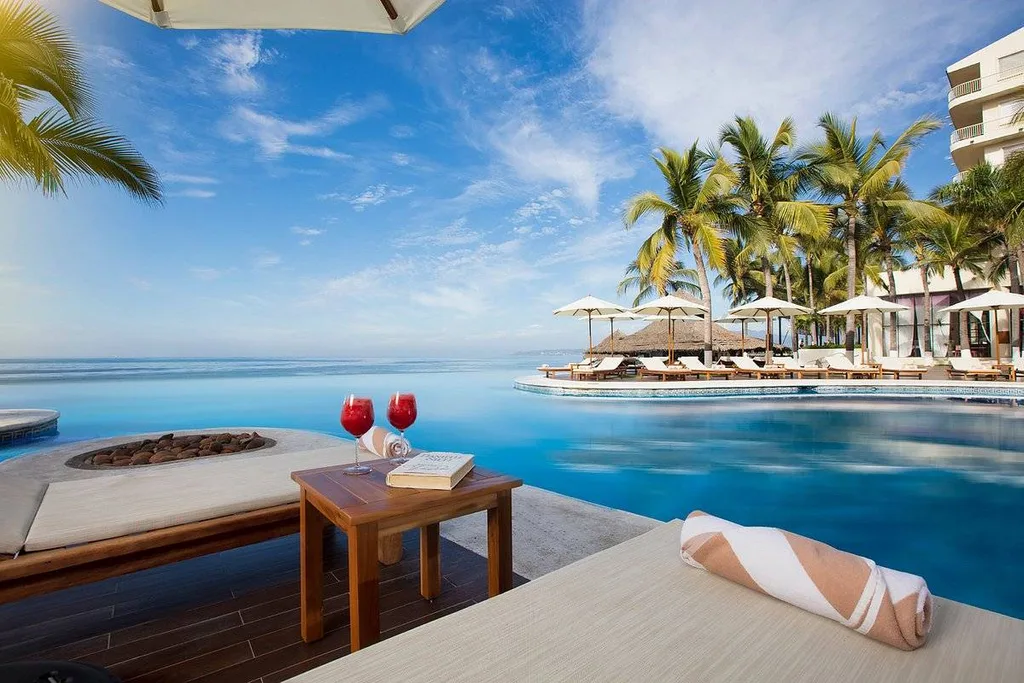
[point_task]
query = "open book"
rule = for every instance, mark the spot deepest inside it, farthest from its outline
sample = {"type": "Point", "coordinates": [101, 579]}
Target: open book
{"type": "Point", "coordinates": [431, 471]}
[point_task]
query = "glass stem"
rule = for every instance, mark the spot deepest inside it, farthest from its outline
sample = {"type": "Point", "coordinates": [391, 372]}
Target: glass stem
{"type": "Point", "coordinates": [357, 453]}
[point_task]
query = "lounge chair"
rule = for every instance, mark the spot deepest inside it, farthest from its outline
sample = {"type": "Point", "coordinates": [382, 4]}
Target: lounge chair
{"type": "Point", "coordinates": [970, 368]}
{"type": "Point", "coordinates": [898, 368]}
{"type": "Point", "coordinates": [798, 370]}
{"type": "Point", "coordinates": [75, 532]}
{"type": "Point", "coordinates": [612, 365]}
{"type": "Point", "coordinates": [696, 367]}
{"type": "Point", "coordinates": [656, 367]}
{"type": "Point", "coordinates": [747, 367]}
{"type": "Point", "coordinates": [550, 370]}
{"type": "Point", "coordinates": [841, 366]}
{"type": "Point", "coordinates": [1017, 369]}
{"type": "Point", "coordinates": [635, 612]}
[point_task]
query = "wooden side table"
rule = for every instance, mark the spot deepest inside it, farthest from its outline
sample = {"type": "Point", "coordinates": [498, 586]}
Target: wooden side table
{"type": "Point", "coordinates": [364, 507]}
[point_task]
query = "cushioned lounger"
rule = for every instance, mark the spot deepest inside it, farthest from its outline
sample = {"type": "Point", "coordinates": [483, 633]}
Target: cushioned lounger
{"type": "Point", "coordinates": [19, 500]}
{"type": "Point", "coordinates": [635, 612]}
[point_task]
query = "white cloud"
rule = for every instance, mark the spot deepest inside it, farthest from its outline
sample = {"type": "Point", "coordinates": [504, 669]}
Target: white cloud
{"type": "Point", "coordinates": [400, 159]}
{"type": "Point", "coordinates": [193, 193]}
{"type": "Point", "coordinates": [204, 273]}
{"type": "Point", "coordinates": [454, 234]}
{"type": "Point", "coordinates": [235, 56]}
{"type": "Point", "coordinates": [371, 196]}
{"type": "Point", "coordinates": [265, 259]}
{"type": "Point", "coordinates": [701, 64]}
{"type": "Point", "coordinates": [305, 243]}
{"type": "Point", "coordinates": [189, 42]}
{"type": "Point", "coordinates": [140, 284]}
{"type": "Point", "coordinates": [273, 135]}
{"type": "Point", "coordinates": [897, 99]}
{"type": "Point", "coordinates": [549, 206]}
{"type": "Point", "coordinates": [189, 179]}
{"type": "Point", "coordinates": [308, 232]}
{"type": "Point", "coordinates": [402, 131]}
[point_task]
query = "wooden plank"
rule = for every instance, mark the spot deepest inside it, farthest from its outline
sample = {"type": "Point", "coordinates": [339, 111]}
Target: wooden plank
{"type": "Point", "coordinates": [311, 570]}
{"type": "Point", "coordinates": [430, 561]}
{"type": "Point", "coordinates": [364, 587]}
{"type": "Point", "coordinates": [499, 545]}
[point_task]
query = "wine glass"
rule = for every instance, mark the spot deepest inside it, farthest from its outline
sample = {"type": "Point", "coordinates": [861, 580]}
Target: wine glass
{"type": "Point", "coordinates": [401, 415]}
{"type": "Point", "coordinates": [357, 419]}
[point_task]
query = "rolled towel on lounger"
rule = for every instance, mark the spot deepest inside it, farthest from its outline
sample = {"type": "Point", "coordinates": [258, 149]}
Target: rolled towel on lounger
{"type": "Point", "coordinates": [888, 605]}
{"type": "Point", "coordinates": [380, 441]}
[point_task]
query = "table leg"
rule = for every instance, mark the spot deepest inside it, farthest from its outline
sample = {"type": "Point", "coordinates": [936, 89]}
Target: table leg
{"type": "Point", "coordinates": [499, 545]}
{"type": "Point", "coordinates": [311, 533]}
{"type": "Point", "coordinates": [363, 585]}
{"type": "Point", "coordinates": [430, 561]}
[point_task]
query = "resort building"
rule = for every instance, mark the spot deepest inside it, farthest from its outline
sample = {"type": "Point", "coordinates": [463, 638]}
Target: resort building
{"type": "Point", "coordinates": [986, 89]}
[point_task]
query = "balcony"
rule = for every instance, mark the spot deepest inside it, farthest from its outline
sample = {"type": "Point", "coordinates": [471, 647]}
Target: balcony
{"type": "Point", "coordinates": [967, 88]}
{"type": "Point", "coordinates": [966, 133]}
{"type": "Point", "coordinates": [965, 98]}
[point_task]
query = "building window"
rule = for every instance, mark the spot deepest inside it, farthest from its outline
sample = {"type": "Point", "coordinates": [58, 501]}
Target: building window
{"type": "Point", "coordinates": [1011, 65]}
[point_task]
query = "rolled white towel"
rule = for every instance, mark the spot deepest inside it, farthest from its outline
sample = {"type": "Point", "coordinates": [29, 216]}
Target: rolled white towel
{"type": "Point", "coordinates": [380, 441]}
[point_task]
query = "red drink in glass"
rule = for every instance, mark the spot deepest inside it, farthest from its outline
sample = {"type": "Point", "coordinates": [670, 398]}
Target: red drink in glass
{"type": "Point", "coordinates": [357, 419]}
{"type": "Point", "coordinates": [401, 415]}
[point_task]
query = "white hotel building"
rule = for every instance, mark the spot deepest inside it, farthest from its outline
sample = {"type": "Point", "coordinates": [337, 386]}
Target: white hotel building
{"type": "Point", "coordinates": [986, 88]}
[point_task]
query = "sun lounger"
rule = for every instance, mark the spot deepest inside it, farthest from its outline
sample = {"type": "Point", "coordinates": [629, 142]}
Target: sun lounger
{"type": "Point", "coordinates": [635, 612]}
{"type": "Point", "coordinates": [798, 370]}
{"type": "Point", "coordinates": [656, 367]}
{"type": "Point", "coordinates": [841, 366]}
{"type": "Point", "coordinates": [612, 365]}
{"type": "Point", "coordinates": [696, 367]}
{"type": "Point", "coordinates": [970, 368]}
{"type": "Point", "coordinates": [747, 367]}
{"type": "Point", "coordinates": [1017, 370]}
{"type": "Point", "coordinates": [550, 371]}
{"type": "Point", "coordinates": [899, 369]}
{"type": "Point", "coordinates": [77, 532]}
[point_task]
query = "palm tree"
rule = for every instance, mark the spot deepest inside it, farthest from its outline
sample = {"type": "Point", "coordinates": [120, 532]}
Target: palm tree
{"type": "Point", "coordinates": [889, 237]}
{"type": "Point", "coordinates": [959, 243]}
{"type": "Point", "coordinates": [697, 203]}
{"type": "Point", "coordinates": [851, 171]}
{"type": "Point", "coordinates": [682, 279]}
{"type": "Point", "coordinates": [769, 180]}
{"type": "Point", "coordinates": [925, 266]}
{"type": "Point", "coordinates": [40, 63]}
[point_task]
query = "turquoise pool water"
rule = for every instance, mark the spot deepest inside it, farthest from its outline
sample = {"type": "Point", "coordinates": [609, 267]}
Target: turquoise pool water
{"type": "Point", "coordinates": [934, 487]}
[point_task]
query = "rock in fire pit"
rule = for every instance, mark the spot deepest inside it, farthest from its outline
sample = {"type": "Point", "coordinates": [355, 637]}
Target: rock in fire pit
{"type": "Point", "coordinates": [170, 448]}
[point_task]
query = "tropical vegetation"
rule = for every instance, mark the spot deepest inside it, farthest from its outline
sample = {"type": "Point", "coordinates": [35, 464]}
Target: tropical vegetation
{"type": "Point", "coordinates": [48, 135]}
{"type": "Point", "coordinates": [757, 212]}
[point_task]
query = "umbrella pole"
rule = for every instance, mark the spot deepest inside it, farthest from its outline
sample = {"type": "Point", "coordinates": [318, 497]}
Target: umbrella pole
{"type": "Point", "coordinates": [612, 321]}
{"type": "Point", "coordinates": [590, 334]}
{"type": "Point", "coordinates": [863, 336]}
{"type": "Point", "coordinates": [994, 331]}
{"type": "Point", "coordinates": [670, 338]}
{"type": "Point", "coordinates": [767, 336]}
{"type": "Point", "coordinates": [743, 337]}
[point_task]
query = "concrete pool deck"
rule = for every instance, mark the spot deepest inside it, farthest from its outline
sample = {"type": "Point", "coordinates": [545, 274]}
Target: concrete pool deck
{"type": "Point", "coordinates": [549, 530]}
{"type": "Point", "coordinates": [27, 423]}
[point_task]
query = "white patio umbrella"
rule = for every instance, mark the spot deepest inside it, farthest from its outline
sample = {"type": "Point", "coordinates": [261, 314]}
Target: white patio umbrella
{"type": "Point", "coordinates": [769, 305]}
{"type": "Point", "coordinates": [864, 304]}
{"type": "Point", "coordinates": [612, 317]}
{"type": "Point", "coordinates": [369, 16]}
{"type": "Point", "coordinates": [991, 300]}
{"type": "Point", "coordinates": [588, 307]}
{"type": "Point", "coordinates": [669, 305]}
{"type": "Point", "coordinates": [742, 320]}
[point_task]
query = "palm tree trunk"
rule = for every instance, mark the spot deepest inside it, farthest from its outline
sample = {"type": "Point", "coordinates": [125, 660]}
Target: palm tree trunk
{"type": "Point", "coordinates": [789, 297]}
{"type": "Point", "coordinates": [1014, 314]}
{"type": "Point", "coordinates": [927, 311]}
{"type": "Point", "coordinates": [828, 328]}
{"type": "Point", "coordinates": [705, 292]}
{"type": "Point", "coordinates": [851, 278]}
{"type": "Point", "coordinates": [893, 317]}
{"type": "Point", "coordinates": [769, 290]}
{"type": "Point", "coordinates": [810, 298]}
{"type": "Point", "coordinates": [965, 338]}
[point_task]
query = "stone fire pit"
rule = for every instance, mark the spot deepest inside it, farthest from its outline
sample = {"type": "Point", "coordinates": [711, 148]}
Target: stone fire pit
{"type": "Point", "coordinates": [169, 448]}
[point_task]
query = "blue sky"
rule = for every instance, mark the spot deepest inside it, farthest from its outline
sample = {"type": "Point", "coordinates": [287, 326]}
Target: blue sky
{"type": "Point", "coordinates": [435, 194]}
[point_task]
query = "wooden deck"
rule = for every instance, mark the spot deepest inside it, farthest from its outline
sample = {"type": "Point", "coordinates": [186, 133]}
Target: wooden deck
{"type": "Point", "coordinates": [232, 616]}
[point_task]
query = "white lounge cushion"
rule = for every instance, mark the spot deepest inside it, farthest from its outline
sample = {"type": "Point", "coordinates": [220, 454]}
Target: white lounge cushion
{"type": "Point", "coordinates": [635, 612]}
{"type": "Point", "coordinates": [19, 501]}
{"type": "Point", "coordinates": [86, 510]}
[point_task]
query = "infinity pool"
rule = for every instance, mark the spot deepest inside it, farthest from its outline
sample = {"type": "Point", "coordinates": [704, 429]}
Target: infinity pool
{"type": "Point", "coordinates": [931, 486]}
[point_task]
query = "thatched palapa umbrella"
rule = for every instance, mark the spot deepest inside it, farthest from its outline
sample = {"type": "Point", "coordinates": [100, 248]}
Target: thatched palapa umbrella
{"type": "Point", "coordinates": [687, 337]}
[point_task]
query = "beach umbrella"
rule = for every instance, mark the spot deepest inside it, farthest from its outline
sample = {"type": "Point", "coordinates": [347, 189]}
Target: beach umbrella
{"type": "Point", "coordinates": [769, 305]}
{"type": "Point", "coordinates": [742, 320]}
{"type": "Point", "coordinates": [369, 16]}
{"type": "Point", "coordinates": [670, 305]}
{"type": "Point", "coordinates": [864, 304]}
{"type": "Point", "coordinates": [612, 317]}
{"type": "Point", "coordinates": [588, 307]}
{"type": "Point", "coordinates": [991, 300]}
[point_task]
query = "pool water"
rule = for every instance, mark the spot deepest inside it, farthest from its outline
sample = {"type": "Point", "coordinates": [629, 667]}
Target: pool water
{"type": "Point", "coordinates": [930, 486]}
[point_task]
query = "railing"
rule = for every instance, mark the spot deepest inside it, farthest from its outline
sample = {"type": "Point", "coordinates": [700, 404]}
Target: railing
{"type": "Point", "coordinates": [967, 132]}
{"type": "Point", "coordinates": [965, 88]}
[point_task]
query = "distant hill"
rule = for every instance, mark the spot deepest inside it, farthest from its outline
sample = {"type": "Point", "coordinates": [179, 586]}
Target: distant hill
{"type": "Point", "coordinates": [548, 352]}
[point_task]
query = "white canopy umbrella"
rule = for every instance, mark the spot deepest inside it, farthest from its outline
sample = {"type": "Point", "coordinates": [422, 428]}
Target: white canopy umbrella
{"type": "Point", "coordinates": [769, 305]}
{"type": "Point", "coordinates": [612, 317]}
{"type": "Point", "coordinates": [370, 16]}
{"type": "Point", "coordinates": [991, 300]}
{"type": "Point", "coordinates": [588, 307]}
{"type": "Point", "coordinates": [668, 305]}
{"type": "Point", "coordinates": [742, 320]}
{"type": "Point", "coordinates": [864, 304]}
